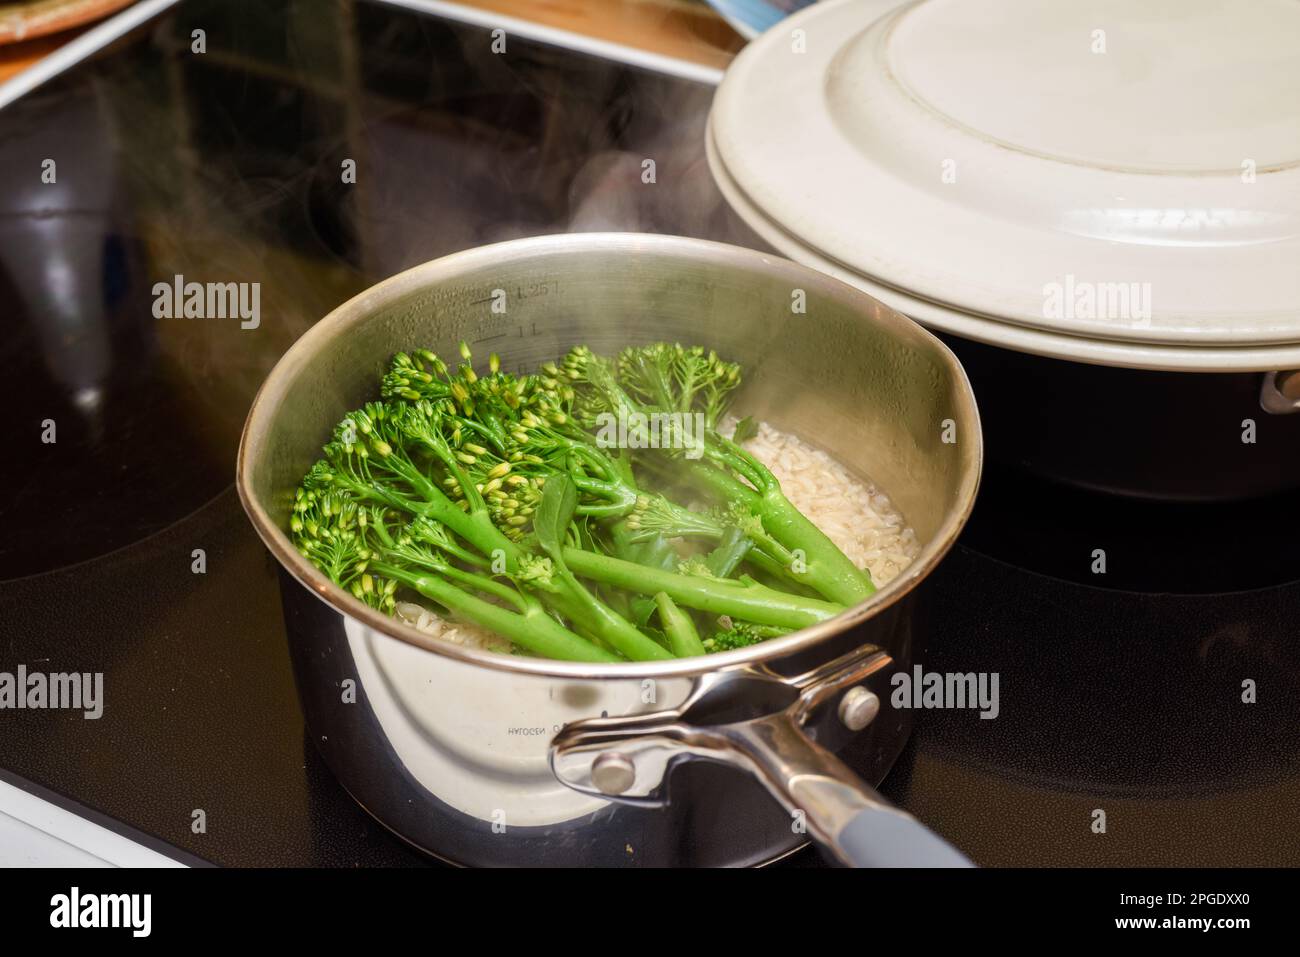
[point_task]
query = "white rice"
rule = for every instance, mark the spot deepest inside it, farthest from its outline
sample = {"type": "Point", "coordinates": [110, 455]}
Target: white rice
{"type": "Point", "coordinates": [456, 632]}
{"type": "Point", "coordinates": [855, 515]}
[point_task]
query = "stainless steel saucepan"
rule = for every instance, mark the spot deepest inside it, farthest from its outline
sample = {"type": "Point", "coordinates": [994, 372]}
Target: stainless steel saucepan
{"type": "Point", "coordinates": [490, 759]}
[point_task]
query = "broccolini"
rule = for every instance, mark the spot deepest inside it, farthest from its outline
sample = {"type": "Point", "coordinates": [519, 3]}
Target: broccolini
{"type": "Point", "coordinates": [492, 496]}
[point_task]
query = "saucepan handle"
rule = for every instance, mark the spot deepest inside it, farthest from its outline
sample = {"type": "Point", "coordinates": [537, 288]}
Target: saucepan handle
{"type": "Point", "coordinates": [1279, 392]}
{"type": "Point", "coordinates": [628, 758]}
{"type": "Point", "coordinates": [847, 817]}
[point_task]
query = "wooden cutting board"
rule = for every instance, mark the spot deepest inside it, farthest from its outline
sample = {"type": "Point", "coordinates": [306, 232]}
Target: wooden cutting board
{"type": "Point", "coordinates": [686, 29]}
{"type": "Point", "coordinates": [35, 29]}
{"type": "Point", "coordinates": [38, 18]}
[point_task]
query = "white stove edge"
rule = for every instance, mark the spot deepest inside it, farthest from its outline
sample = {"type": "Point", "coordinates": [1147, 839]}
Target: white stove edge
{"type": "Point", "coordinates": [111, 29]}
{"type": "Point", "coordinates": [36, 833]}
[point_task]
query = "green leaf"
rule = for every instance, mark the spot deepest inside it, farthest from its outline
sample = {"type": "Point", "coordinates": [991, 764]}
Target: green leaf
{"type": "Point", "coordinates": [729, 553]}
{"type": "Point", "coordinates": [642, 609]}
{"type": "Point", "coordinates": [585, 538]}
{"type": "Point", "coordinates": [555, 512]}
{"type": "Point", "coordinates": [746, 429]}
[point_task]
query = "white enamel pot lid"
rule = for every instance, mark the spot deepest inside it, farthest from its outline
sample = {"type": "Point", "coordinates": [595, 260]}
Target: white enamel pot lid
{"type": "Point", "coordinates": [1108, 352]}
{"type": "Point", "coordinates": [1097, 180]}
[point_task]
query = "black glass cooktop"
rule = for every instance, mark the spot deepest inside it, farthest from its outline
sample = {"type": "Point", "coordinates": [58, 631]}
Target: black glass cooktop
{"type": "Point", "coordinates": [1122, 693]}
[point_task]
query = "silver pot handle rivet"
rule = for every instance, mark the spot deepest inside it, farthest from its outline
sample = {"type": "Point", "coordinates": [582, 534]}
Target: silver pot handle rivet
{"type": "Point", "coordinates": [612, 773]}
{"type": "Point", "coordinates": [858, 708]}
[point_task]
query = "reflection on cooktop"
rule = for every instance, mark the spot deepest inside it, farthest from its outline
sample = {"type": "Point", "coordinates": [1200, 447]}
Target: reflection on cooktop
{"type": "Point", "coordinates": [229, 167]}
{"type": "Point", "coordinates": [1105, 541]}
{"type": "Point", "coordinates": [1119, 693]}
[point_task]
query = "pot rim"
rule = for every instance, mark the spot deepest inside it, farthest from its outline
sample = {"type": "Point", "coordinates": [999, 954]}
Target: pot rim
{"type": "Point", "coordinates": [339, 320]}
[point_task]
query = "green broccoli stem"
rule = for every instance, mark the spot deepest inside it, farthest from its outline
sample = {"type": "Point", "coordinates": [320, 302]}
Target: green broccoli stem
{"type": "Point", "coordinates": [698, 475]}
{"type": "Point", "coordinates": [619, 496]}
{"type": "Point", "coordinates": [573, 601]}
{"type": "Point", "coordinates": [608, 625]}
{"type": "Point", "coordinates": [826, 569]}
{"type": "Point", "coordinates": [654, 551]}
{"type": "Point", "coordinates": [475, 527]}
{"type": "Point", "coordinates": [764, 562]}
{"type": "Point", "coordinates": [683, 639]}
{"type": "Point", "coordinates": [488, 586]}
{"type": "Point", "coordinates": [532, 630]}
{"type": "Point", "coordinates": [747, 600]}
{"type": "Point", "coordinates": [733, 546]}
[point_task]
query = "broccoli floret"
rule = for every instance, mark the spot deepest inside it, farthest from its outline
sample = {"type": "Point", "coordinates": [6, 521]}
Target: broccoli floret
{"type": "Point", "coordinates": [733, 634]}
{"type": "Point", "coordinates": [739, 635]}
